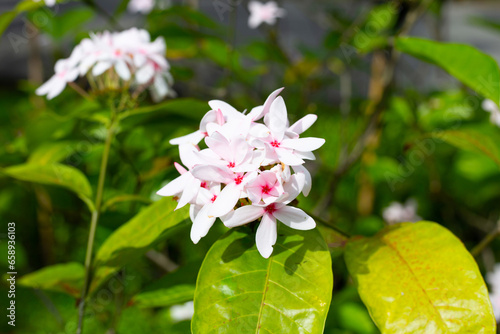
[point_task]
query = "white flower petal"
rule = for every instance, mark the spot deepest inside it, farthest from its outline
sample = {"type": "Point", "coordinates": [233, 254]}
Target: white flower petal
{"type": "Point", "coordinates": [226, 200]}
{"type": "Point", "coordinates": [266, 235]}
{"type": "Point", "coordinates": [303, 144]}
{"type": "Point", "coordinates": [244, 215]}
{"type": "Point", "coordinates": [201, 225]}
{"type": "Point", "coordinates": [294, 218]}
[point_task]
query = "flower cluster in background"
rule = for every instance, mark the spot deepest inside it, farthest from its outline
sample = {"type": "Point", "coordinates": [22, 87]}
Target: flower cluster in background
{"type": "Point", "coordinates": [263, 13]}
{"type": "Point", "coordinates": [400, 213]}
{"type": "Point", "coordinates": [141, 6]}
{"type": "Point", "coordinates": [129, 58]}
{"type": "Point", "coordinates": [494, 111]}
{"type": "Point", "coordinates": [48, 3]}
{"type": "Point", "coordinates": [249, 170]}
{"type": "Point", "coordinates": [493, 279]}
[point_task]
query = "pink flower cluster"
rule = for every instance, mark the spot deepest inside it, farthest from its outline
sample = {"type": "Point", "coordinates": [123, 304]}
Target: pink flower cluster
{"type": "Point", "coordinates": [249, 170]}
{"type": "Point", "coordinates": [130, 54]}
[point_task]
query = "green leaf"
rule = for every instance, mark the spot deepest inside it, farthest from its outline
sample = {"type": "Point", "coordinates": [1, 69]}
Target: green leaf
{"type": "Point", "coordinates": [239, 291]}
{"type": "Point", "coordinates": [51, 152]}
{"type": "Point", "coordinates": [67, 22]}
{"type": "Point", "coordinates": [67, 278]}
{"type": "Point", "coordinates": [23, 6]}
{"type": "Point", "coordinates": [473, 68]}
{"type": "Point", "coordinates": [486, 23]}
{"type": "Point", "coordinates": [55, 175]}
{"type": "Point", "coordinates": [185, 106]}
{"type": "Point", "coordinates": [419, 278]}
{"type": "Point", "coordinates": [124, 198]}
{"type": "Point", "coordinates": [372, 35]}
{"type": "Point", "coordinates": [137, 236]}
{"type": "Point", "coordinates": [479, 141]}
{"type": "Point", "coordinates": [174, 288]}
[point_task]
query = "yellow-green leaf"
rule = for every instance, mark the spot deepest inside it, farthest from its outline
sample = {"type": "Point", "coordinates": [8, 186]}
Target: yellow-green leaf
{"type": "Point", "coordinates": [239, 291]}
{"type": "Point", "coordinates": [475, 69]}
{"type": "Point", "coordinates": [67, 278]}
{"type": "Point", "coordinates": [419, 278]}
{"type": "Point", "coordinates": [51, 152]}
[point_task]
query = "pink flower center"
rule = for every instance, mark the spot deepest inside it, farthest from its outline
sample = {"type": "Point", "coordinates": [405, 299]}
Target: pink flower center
{"type": "Point", "coordinates": [213, 198]}
{"type": "Point", "coordinates": [230, 165]}
{"type": "Point", "coordinates": [118, 52]}
{"type": "Point", "coordinates": [270, 209]}
{"type": "Point", "coordinates": [205, 134]}
{"type": "Point", "coordinates": [275, 143]}
{"type": "Point", "coordinates": [266, 189]}
{"type": "Point", "coordinates": [204, 185]}
{"type": "Point", "coordinates": [238, 179]}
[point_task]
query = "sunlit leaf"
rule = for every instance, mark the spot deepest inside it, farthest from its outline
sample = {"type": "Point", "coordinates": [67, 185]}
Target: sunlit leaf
{"type": "Point", "coordinates": [239, 291]}
{"type": "Point", "coordinates": [475, 69]}
{"type": "Point", "coordinates": [419, 278]}
{"type": "Point", "coordinates": [56, 175]}
{"type": "Point", "coordinates": [67, 277]}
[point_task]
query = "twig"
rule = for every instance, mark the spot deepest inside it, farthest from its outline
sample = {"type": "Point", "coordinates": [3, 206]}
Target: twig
{"type": "Point", "coordinates": [486, 241]}
{"type": "Point", "coordinates": [375, 107]}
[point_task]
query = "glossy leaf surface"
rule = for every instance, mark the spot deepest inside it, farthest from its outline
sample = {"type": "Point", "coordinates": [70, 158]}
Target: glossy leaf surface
{"type": "Point", "coordinates": [475, 69]}
{"type": "Point", "coordinates": [419, 278]}
{"type": "Point", "coordinates": [239, 291]}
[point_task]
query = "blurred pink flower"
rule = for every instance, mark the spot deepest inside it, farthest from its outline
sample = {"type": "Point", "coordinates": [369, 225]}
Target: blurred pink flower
{"type": "Point", "coordinates": [263, 13]}
{"type": "Point", "coordinates": [141, 6]}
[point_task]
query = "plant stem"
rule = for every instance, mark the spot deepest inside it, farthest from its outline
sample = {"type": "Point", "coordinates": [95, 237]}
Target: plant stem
{"type": "Point", "coordinates": [486, 241]}
{"type": "Point", "coordinates": [94, 221]}
{"type": "Point", "coordinates": [330, 225]}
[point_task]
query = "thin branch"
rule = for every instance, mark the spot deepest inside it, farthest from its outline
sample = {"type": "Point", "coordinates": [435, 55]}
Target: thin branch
{"type": "Point", "coordinates": [486, 241]}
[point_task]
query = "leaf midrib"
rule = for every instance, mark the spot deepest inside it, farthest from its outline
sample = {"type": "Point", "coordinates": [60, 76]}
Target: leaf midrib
{"type": "Point", "coordinates": [385, 241]}
{"type": "Point", "coordinates": [266, 288]}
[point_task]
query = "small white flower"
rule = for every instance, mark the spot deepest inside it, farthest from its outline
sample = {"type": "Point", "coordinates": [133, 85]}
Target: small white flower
{"type": "Point", "coordinates": [245, 173]}
{"type": "Point", "coordinates": [263, 13]}
{"type": "Point", "coordinates": [182, 312]}
{"type": "Point", "coordinates": [399, 213]}
{"type": "Point", "coordinates": [48, 3]}
{"type": "Point", "coordinates": [494, 111]}
{"type": "Point", "coordinates": [130, 54]}
{"type": "Point", "coordinates": [141, 6]}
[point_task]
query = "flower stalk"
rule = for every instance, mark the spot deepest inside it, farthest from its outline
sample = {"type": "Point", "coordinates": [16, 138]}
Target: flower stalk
{"type": "Point", "coordinates": [95, 219]}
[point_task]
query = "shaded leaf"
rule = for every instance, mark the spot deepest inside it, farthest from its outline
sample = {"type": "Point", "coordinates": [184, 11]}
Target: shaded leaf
{"type": "Point", "coordinates": [67, 277]}
{"type": "Point", "coordinates": [419, 278]}
{"type": "Point", "coordinates": [137, 236]}
{"type": "Point", "coordinates": [124, 198]}
{"type": "Point", "coordinates": [472, 140]}
{"type": "Point", "coordinates": [174, 288]}
{"type": "Point", "coordinates": [239, 291]}
{"type": "Point", "coordinates": [473, 68]}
